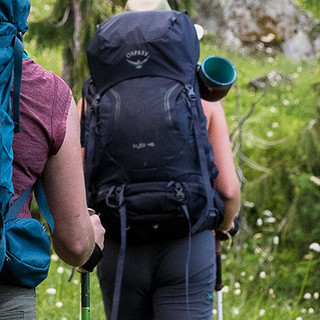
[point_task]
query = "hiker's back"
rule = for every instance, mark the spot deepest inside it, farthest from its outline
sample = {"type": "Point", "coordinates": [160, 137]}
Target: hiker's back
{"type": "Point", "coordinates": [146, 143]}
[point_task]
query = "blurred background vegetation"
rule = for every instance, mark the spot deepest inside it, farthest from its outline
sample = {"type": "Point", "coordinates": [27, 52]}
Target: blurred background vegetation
{"type": "Point", "coordinates": [273, 113]}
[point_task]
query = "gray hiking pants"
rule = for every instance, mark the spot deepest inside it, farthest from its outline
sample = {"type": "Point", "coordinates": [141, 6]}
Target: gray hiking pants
{"type": "Point", "coordinates": [17, 303]}
{"type": "Point", "coordinates": [154, 279]}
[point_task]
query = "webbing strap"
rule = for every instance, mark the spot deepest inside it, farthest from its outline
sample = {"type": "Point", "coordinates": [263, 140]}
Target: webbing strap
{"type": "Point", "coordinates": [17, 56]}
{"type": "Point", "coordinates": [121, 257]}
{"type": "Point", "coordinates": [186, 213]}
{"type": "Point", "coordinates": [43, 205]}
{"type": "Point", "coordinates": [41, 200]}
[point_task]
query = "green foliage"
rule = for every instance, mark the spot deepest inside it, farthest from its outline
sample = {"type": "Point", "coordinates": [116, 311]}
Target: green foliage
{"type": "Point", "coordinates": [311, 5]}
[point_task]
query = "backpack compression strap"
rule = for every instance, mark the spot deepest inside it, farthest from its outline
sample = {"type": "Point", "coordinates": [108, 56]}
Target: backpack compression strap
{"type": "Point", "coordinates": [203, 164]}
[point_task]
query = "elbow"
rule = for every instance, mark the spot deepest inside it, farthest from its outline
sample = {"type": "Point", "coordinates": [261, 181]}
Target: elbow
{"type": "Point", "coordinates": [80, 253]}
{"type": "Point", "coordinates": [75, 253]}
{"type": "Point", "coordinates": [229, 193]}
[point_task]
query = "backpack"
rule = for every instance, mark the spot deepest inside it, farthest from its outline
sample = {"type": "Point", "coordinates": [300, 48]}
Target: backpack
{"type": "Point", "coordinates": [149, 165]}
{"type": "Point", "coordinates": [24, 244]}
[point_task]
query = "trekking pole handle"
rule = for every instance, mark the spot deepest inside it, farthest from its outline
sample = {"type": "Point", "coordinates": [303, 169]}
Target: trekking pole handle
{"type": "Point", "coordinates": [219, 285]}
{"type": "Point", "coordinates": [223, 236]}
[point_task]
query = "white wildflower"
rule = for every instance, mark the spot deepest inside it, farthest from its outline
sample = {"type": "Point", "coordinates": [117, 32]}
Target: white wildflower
{"type": "Point", "coordinates": [299, 318]}
{"type": "Point", "coordinates": [295, 75]}
{"type": "Point", "coordinates": [257, 250]}
{"type": "Point", "coordinates": [51, 291]}
{"type": "Point", "coordinates": [251, 278]}
{"type": "Point", "coordinates": [262, 312]}
{"type": "Point", "coordinates": [316, 295]}
{"type": "Point", "coordinates": [315, 246]}
{"type": "Point", "coordinates": [285, 102]}
{"type": "Point", "coordinates": [275, 240]}
{"type": "Point", "coordinates": [54, 257]}
{"type": "Point", "coordinates": [270, 220]}
{"type": "Point", "coordinates": [60, 270]}
{"type": "Point", "coordinates": [237, 292]}
{"type": "Point", "coordinates": [259, 222]}
{"type": "Point", "coordinates": [275, 125]}
{"type": "Point", "coordinates": [225, 289]}
{"type": "Point", "coordinates": [243, 273]}
{"type": "Point", "coordinates": [315, 180]}
{"type": "Point", "coordinates": [262, 275]}
{"type": "Point", "coordinates": [310, 310]}
{"type": "Point", "coordinates": [248, 204]}
{"type": "Point", "coordinates": [307, 296]}
{"type": "Point", "coordinates": [267, 213]}
{"type": "Point", "coordinates": [273, 109]}
{"type": "Point", "coordinates": [270, 134]}
{"type": "Point", "coordinates": [270, 59]}
{"type": "Point", "coordinates": [237, 285]}
{"type": "Point", "coordinates": [235, 311]}
{"type": "Point", "coordinates": [299, 69]}
{"type": "Point", "coordinates": [271, 292]}
{"type": "Point", "coordinates": [59, 304]}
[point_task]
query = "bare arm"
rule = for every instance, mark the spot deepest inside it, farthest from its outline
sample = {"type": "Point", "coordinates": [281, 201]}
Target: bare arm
{"type": "Point", "coordinates": [227, 183]}
{"type": "Point", "coordinates": [73, 236]}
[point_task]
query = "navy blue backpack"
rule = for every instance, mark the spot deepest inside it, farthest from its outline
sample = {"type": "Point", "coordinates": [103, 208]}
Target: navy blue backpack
{"type": "Point", "coordinates": [149, 166]}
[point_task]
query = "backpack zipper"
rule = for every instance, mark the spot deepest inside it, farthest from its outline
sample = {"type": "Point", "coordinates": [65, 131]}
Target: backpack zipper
{"type": "Point", "coordinates": [95, 111]}
{"type": "Point", "coordinates": [190, 92]}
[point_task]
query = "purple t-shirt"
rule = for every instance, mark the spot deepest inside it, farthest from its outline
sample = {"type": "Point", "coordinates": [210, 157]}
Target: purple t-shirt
{"type": "Point", "coordinates": [44, 106]}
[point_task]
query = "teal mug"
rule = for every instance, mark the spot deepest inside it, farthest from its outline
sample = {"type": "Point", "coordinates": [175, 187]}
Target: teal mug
{"type": "Point", "coordinates": [216, 76]}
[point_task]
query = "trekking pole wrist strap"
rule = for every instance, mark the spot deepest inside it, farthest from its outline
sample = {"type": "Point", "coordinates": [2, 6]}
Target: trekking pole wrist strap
{"type": "Point", "coordinates": [94, 259]}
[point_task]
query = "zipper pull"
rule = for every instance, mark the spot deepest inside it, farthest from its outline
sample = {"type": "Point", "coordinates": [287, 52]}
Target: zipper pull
{"type": "Point", "coordinates": [190, 92]}
{"type": "Point", "coordinates": [95, 101]}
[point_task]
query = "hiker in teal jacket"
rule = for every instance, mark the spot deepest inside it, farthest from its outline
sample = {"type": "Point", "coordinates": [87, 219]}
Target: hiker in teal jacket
{"type": "Point", "coordinates": [48, 147]}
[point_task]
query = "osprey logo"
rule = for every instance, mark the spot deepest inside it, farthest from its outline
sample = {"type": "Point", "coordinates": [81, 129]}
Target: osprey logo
{"type": "Point", "coordinates": [137, 58]}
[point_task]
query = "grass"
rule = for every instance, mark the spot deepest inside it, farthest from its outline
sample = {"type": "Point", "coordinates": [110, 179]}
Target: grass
{"type": "Point", "coordinates": [248, 294]}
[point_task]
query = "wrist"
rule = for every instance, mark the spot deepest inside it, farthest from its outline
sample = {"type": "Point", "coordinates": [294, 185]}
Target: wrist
{"type": "Point", "coordinates": [94, 259]}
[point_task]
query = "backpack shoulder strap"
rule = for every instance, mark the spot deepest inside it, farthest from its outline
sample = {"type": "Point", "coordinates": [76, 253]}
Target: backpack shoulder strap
{"type": "Point", "coordinates": [41, 201]}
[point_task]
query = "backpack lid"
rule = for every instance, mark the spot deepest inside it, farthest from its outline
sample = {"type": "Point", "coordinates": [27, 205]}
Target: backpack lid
{"type": "Point", "coordinates": [16, 13]}
{"type": "Point", "coordinates": [138, 44]}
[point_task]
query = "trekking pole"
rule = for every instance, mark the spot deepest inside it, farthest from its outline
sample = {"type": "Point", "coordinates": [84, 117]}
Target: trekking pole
{"type": "Point", "coordinates": [222, 236]}
{"type": "Point", "coordinates": [218, 288]}
{"type": "Point", "coordinates": [85, 296]}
